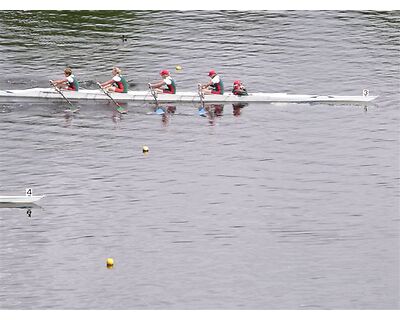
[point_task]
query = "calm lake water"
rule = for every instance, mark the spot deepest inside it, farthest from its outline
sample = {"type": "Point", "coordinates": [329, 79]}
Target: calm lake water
{"type": "Point", "coordinates": [273, 206]}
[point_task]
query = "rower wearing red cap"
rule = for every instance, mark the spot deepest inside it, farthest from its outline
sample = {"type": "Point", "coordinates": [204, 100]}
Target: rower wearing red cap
{"type": "Point", "coordinates": [214, 86]}
{"type": "Point", "coordinates": [166, 85]}
{"type": "Point", "coordinates": [239, 89]}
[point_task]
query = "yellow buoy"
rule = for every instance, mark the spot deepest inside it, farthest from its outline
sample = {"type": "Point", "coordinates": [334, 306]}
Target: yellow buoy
{"type": "Point", "coordinates": [145, 149]}
{"type": "Point", "coordinates": [110, 263]}
{"type": "Point", "coordinates": [178, 68]}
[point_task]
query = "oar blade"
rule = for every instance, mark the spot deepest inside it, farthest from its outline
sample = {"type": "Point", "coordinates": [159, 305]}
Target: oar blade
{"type": "Point", "coordinates": [202, 112]}
{"type": "Point", "coordinates": [119, 109]}
{"type": "Point", "coordinates": [122, 110]}
{"type": "Point", "coordinates": [72, 110]}
{"type": "Point", "coordinates": [160, 111]}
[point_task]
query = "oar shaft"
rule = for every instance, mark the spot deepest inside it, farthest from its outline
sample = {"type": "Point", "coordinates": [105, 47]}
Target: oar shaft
{"type": "Point", "coordinates": [108, 95]}
{"type": "Point", "coordinates": [153, 93]}
{"type": "Point", "coordinates": [200, 94]}
{"type": "Point", "coordinates": [59, 91]}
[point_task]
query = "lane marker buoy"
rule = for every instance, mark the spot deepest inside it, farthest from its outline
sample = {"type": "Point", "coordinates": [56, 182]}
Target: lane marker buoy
{"type": "Point", "coordinates": [110, 263]}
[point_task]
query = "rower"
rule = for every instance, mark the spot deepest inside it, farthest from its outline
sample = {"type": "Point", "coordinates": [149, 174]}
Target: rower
{"type": "Point", "coordinates": [117, 83]}
{"type": "Point", "coordinates": [166, 85]}
{"type": "Point", "coordinates": [68, 83]}
{"type": "Point", "coordinates": [214, 86]}
{"type": "Point", "coordinates": [239, 89]}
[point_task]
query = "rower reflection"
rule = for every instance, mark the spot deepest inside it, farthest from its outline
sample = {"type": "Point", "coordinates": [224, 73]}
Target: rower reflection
{"type": "Point", "coordinates": [165, 112]}
{"type": "Point", "coordinates": [237, 108]}
{"type": "Point", "coordinates": [69, 115]}
{"type": "Point", "coordinates": [211, 111]}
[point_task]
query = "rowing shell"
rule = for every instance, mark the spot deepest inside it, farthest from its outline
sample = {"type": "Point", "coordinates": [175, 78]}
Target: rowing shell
{"type": "Point", "coordinates": [20, 199]}
{"type": "Point", "coordinates": [84, 94]}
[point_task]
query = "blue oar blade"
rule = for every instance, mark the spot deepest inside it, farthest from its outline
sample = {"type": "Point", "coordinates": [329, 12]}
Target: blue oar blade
{"type": "Point", "coordinates": [160, 111]}
{"type": "Point", "coordinates": [202, 112]}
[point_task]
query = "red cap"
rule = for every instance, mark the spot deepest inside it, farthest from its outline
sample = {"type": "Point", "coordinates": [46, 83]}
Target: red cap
{"type": "Point", "coordinates": [237, 82]}
{"type": "Point", "coordinates": [164, 73]}
{"type": "Point", "coordinates": [212, 72]}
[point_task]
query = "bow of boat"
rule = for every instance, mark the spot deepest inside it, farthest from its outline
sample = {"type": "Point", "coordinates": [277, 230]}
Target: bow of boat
{"type": "Point", "coordinates": [20, 199]}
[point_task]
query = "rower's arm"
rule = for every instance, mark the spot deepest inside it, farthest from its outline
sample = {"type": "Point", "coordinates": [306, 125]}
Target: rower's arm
{"type": "Point", "coordinates": [209, 83]}
{"type": "Point", "coordinates": [157, 84]}
{"type": "Point", "coordinates": [107, 83]}
{"type": "Point", "coordinates": [59, 81]}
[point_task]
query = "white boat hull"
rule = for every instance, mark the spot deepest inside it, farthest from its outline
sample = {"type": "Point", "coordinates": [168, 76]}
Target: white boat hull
{"type": "Point", "coordinates": [19, 199]}
{"type": "Point", "coordinates": [49, 93]}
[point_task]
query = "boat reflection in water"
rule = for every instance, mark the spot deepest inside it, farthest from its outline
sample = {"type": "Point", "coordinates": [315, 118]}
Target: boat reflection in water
{"type": "Point", "coordinates": [28, 206]}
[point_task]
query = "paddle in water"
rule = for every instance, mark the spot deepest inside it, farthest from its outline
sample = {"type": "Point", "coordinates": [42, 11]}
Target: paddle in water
{"type": "Point", "coordinates": [72, 109]}
{"type": "Point", "coordinates": [159, 110]}
{"type": "Point", "coordinates": [120, 109]}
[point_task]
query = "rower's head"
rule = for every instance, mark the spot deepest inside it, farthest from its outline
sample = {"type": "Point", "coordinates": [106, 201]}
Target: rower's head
{"type": "Point", "coordinates": [212, 74]}
{"type": "Point", "coordinates": [116, 71]}
{"type": "Point", "coordinates": [164, 73]}
{"type": "Point", "coordinates": [67, 71]}
{"type": "Point", "coordinates": [237, 84]}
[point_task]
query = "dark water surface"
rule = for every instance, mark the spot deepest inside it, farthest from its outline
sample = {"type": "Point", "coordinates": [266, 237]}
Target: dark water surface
{"type": "Point", "coordinates": [283, 206]}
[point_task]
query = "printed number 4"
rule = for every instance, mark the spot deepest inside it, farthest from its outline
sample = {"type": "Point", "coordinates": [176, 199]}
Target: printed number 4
{"type": "Point", "coordinates": [28, 192]}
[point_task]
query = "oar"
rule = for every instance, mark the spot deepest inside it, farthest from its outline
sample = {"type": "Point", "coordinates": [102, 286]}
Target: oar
{"type": "Point", "coordinates": [59, 91]}
{"type": "Point", "coordinates": [202, 110]}
{"type": "Point", "coordinates": [154, 94]}
{"type": "Point", "coordinates": [120, 109]}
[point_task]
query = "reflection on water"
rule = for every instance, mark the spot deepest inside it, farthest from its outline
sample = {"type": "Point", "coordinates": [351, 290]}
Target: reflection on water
{"type": "Point", "coordinates": [30, 207]}
{"type": "Point", "coordinates": [211, 111]}
{"type": "Point", "coordinates": [237, 108]}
